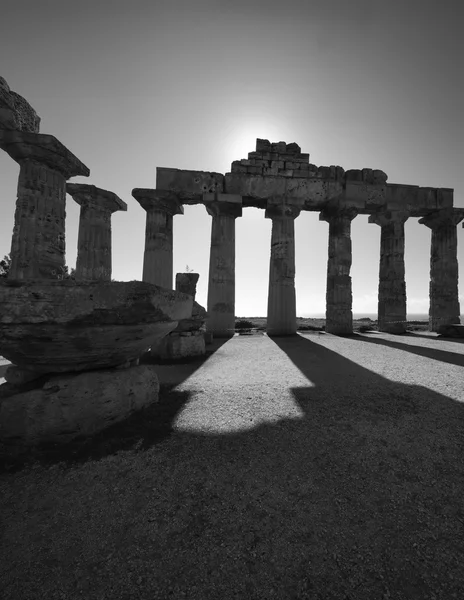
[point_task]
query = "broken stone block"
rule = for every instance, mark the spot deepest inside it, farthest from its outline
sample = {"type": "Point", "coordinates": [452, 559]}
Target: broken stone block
{"type": "Point", "coordinates": [16, 112]}
{"type": "Point", "coordinates": [293, 148]}
{"type": "Point", "coordinates": [186, 283]}
{"type": "Point", "coordinates": [178, 347]}
{"type": "Point", "coordinates": [69, 405]}
{"type": "Point", "coordinates": [263, 145]}
{"type": "Point", "coordinates": [59, 326]}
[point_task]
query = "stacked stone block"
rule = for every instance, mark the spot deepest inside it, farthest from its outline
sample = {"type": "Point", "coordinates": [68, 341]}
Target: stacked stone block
{"type": "Point", "coordinates": [283, 160]}
{"type": "Point", "coordinates": [188, 339]}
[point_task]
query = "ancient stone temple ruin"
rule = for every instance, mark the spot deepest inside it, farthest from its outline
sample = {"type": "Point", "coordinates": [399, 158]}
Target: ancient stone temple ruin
{"type": "Point", "coordinates": [74, 344]}
{"type": "Point", "coordinates": [279, 178]}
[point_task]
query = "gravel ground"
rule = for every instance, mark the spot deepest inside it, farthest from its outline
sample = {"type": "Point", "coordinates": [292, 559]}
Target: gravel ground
{"type": "Point", "coordinates": [309, 467]}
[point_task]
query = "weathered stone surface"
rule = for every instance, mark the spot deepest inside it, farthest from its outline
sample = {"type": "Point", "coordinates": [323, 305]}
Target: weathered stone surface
{"type": "Point", "coordinates": [59, 326]}
{"type": "Point", "coordinates": [161, 206]}
{"type": "Point", "coordinates": [70, 406]}
{"type": "Point", "coordinates": [221, 283]}
{"type": "Point", "coordinates": [178, 347]}
{"type": "Point", "coordinates": [94, 241]}
{"type": "Point", "coordinates": [189, 183]}
{"type": "Point", "coordinates": [187, 283]}
{"type": "Point", "coordinates": [444, 298]}
{"type": "Point", "coordinates": [339, 315]}
{"type": "Point", "coordinates": [281, 308]}
{"type": "Point", "coordinates": [38, 242]}
{"type": "Point", "coordinates": [19, 376]}
{"type": "Point", "coordinates": [16, 112]}
{"type": "Point", "coordinates": [195, 322]}
{"type": "Point", "coordinates": [44, 149]}
{"type": "Point", "coordinates": [392, 285]}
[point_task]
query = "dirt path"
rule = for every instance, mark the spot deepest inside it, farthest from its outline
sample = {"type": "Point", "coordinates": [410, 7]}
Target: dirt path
{"type": "Point", "coordinates": [309, 467]}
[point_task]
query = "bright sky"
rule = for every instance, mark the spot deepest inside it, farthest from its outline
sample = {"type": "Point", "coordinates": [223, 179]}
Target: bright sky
{"type": "Point", "coordinates": [131, 85]}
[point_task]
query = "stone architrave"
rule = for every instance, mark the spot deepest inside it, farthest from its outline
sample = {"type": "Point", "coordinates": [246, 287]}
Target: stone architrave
{"type": "Point", "coordinates": [392, 285]}
{"type": "Point", "coordinates": [161, 206]}
{"type": "Point", "coordinates": [281, 307]}
{"type": "Point", "coordinates": [224, 209]}
{"type": "Point", "coordinates": [444, 298]}
{"type": "Point", "coordinates": [38, 241]}
{"type": "Point", "coordinates": [339, 298]}
{"type": "Point", "coordinates": [94, 241]}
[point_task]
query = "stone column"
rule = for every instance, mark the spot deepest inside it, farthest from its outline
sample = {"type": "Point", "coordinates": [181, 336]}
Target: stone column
{"type": "Point", "coordinates": [161, 206]}
{"type": "Point", "coordinates": [38, 242]}
{"type": "Point", "coordinates": [94, 241]}
{"type": "Point", "coordinates": [281, 306]}
{"type": "Point", "coordinates": [224, 209]}
{"type": "Point", "coordinates": [392, 285]}
{"type": "Point", "coordinates": [444, 298]}
{"type": "Point", "coordinates": [339, 298]}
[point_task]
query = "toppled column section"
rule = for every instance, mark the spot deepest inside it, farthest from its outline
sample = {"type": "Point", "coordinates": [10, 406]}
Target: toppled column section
{"type": "Point", "coordinates": [224, 209]}
{"type": "Point", "coordinates": [281, 307]}
{"type": "Point", "coordinates": [392, 285]}
{"type": "Point", "coordinates": [38, 242]}
{"type": "Point", "coordinates": [444, 298]}
{"type": "Point", "coordinates": [339, 298]}
{"type": "Point", "coordinates": [161, 206]}
{"type": "Point", "coordinates": [94, 241]}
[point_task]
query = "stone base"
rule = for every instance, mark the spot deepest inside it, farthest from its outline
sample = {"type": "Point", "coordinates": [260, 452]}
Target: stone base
{"type": "Point", "coordinates": [455, 331]}
{"type": "Point", "coordinates": [176, 346]}
{"type": "Point", "coordinates": [69, 406]}
{"type": "Point", "coordinates": [396, 328]}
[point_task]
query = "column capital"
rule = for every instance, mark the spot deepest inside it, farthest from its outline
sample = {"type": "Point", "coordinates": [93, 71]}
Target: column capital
{"type": "Point", "coordinates": [85, 194]}
{"type": "Point", "coordinates": [161, 200]}
{"type": "Point", "coordinates": [330, 213]}
{"type": "Point", "coordinates": [43, 149]}
{"type": "Point", "coordinates": [443, 218]}
{"type": "Point", "coordinates": [229, 205]}
{"type": "Point", "coordinates": [287, 208]}
{"type": "Point", "coordinates": [387, 217]}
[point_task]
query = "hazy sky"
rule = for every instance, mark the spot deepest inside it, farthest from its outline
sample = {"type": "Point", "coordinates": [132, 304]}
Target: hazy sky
{"type": "Point", "coordinates": [131, 85]}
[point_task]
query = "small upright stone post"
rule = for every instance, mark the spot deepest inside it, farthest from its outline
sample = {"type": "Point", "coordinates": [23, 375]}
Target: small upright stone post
{"type": "Point", "coordinates": [339, 298]}
{"type": "Point", "coordinates": [281, 307]}
{"type": "Point", "coordinates": [444, 298]}
{"type": "Point", "coordinates": [161, 206]}
{"type": "Point", "coordinates": [187, 283]}
{"type": "Point", "coordinates": [392, 284]}
{"type": "Point", "coordinates": [94, 241]}
{"type": "Point", "coordinates": [38, 242]}
{"type": "Point", "coordinates": [224, 209]}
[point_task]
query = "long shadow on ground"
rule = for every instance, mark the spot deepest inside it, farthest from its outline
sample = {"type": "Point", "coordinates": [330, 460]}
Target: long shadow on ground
{"type": "Point", "coordinates": [453, 358]}
{"type": "Point", "coordinates": [357, 498]}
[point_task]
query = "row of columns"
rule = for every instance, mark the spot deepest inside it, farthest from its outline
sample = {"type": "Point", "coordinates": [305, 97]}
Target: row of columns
{"type": "Point", "coordinates": [281, 314]}
{"type": "Point", "coordinates": [38, 248]}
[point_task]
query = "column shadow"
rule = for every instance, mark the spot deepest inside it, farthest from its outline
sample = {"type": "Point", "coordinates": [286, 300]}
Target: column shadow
{"type": "Point", "coordinates": [356, 496]}
{"type": "Point", "coordinates": [446, 356]}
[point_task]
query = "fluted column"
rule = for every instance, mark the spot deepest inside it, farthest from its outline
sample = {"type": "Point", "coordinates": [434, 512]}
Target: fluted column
{"type": "Point", "coordinates": [161, 206]}
{"type": "Point", "coordinates": [444, 297]}
{"type": "Point", "coordinates": [339, 298]}
{"type": "Point", "coordinates": [281, 306]}
{"type": "Point", "coordinates": [94, 240]}
{"type": "Point", "coordinates": [392, 285]}
{"type": "Point", "coordinates": [224, 209]}
{"type": "Point", "coordinates": [38, 241]}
